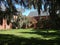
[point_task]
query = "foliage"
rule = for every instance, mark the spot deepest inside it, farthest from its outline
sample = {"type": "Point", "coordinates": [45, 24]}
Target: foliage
{"type": "Point", "coordinates": [49, 24]}
{"type": "Point", "coordinates": [53, 4]}
{"type": "Point", "coordinates": [37, 4]}
{"type": "Point", "coordinates": [43, 23]}
{"type": "Point", "coordinates": [21, 21]}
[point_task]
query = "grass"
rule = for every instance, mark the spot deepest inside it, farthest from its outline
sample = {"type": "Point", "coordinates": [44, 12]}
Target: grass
{"type": "Point", "coordinates": [32, 36]}
{"type": "Point", "coordinates": [26, 33]}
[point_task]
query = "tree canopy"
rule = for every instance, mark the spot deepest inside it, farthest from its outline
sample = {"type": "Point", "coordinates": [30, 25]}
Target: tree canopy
{"type": "Point", "coordinates": [7, 8]}
{"type": "Point", "coordinates": [8, 5]}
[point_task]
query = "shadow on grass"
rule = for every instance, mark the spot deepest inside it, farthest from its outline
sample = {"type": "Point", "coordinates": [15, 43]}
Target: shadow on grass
{"type": "Point", "coordinates": [41, 32]}
{"type": "Point", "coordinates": [6, 39]}
{"type": "Point", "coordinates": [53, 31]}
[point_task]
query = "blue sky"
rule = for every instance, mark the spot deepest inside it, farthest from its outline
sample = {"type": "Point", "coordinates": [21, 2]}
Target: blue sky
{"type": "Point", "coordinates": [26, 11]}
{"type": "Point", "coordinates": [18, 7]}
{"type": "Point", "coordinates": [21, 8]}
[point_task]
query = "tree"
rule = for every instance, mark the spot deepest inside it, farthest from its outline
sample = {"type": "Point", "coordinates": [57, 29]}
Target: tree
{"type": "Point", "coordinates": [11, 9]}
{"type": "Point", "coordinates": [54, 18]}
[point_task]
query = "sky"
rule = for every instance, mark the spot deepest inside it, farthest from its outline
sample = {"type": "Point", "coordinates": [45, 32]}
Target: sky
{"type": "Point", "coordinates": [20, 8]}
{"type": "Point", "coordinates": [26, 11]}
{"type": "Point", "coordinates": [23, 10]}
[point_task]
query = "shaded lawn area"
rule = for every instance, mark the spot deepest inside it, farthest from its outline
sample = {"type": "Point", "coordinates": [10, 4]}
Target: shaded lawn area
{"type": "Point", "coordinates": [29, 37]}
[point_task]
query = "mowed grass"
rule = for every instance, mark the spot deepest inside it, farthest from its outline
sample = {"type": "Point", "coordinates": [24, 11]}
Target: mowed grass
{"type": "Point", "coordinates": [29, 37]}
{"type": "Point", "coordinates": [32, 33]}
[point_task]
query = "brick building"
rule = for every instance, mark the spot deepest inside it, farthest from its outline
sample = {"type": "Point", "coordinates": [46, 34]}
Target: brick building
{"type": "Point", "coordinates": [35, 18]}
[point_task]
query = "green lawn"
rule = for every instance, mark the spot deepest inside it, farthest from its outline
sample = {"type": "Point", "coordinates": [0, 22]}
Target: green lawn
{"type": "Point", "coordinates": [28, 36]}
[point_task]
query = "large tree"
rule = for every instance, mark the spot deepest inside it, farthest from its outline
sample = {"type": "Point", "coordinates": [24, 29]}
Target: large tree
{"type": "Point", "coordinates": [11, 9]}
{"type": "Point", "coordinates": [8, 10]}
{"type": "Point", "coordinates": [28, 3]}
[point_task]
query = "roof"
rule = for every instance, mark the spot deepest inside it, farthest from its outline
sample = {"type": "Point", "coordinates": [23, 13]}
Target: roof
{"type": "Point", "coordinates": [35, 13]}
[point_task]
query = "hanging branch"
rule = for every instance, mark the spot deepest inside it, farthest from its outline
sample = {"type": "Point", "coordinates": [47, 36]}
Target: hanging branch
{"type": "Point", "coordinates": [11, 9]}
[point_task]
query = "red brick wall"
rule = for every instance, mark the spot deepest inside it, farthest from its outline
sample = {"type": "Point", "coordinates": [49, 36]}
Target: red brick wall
{"type": "Point", "coordinates": [37, 18]}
